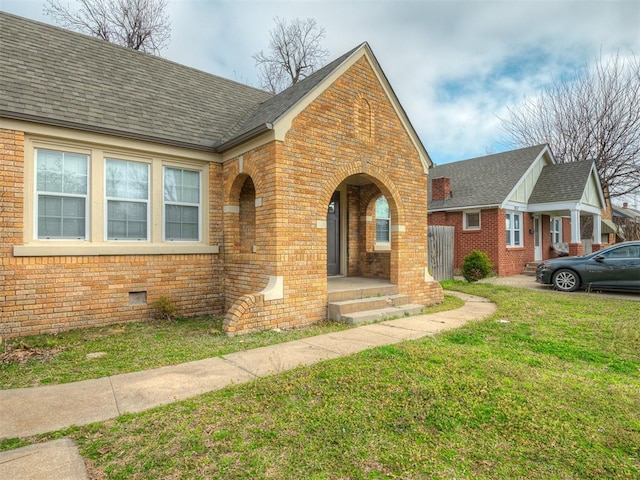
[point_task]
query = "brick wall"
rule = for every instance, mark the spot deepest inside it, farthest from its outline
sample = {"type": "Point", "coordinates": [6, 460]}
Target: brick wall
{"type": "Point", "coordinates": [266, 209]}
{"type": "Point", "coordinates": [491, 239]}
{"type": "Point", "coordinates": [52, 294]}
{"type": "Point", "coordinates": [325, 146]}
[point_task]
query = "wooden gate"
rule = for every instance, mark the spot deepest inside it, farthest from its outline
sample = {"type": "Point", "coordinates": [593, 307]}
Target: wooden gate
{"type": "Point", "coordinates": [441, 252]}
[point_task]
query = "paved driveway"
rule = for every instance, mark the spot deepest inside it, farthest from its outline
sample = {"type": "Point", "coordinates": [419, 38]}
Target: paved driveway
{"type": "Point", "coordinates": [529, 281]}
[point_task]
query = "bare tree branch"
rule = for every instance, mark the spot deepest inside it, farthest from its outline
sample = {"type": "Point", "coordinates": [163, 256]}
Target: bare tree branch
{"type": "Point", "coordinates": [594, 116]}
{"type": "Point", "coordinates": [294, 53]}
{"type": "Point", "coordinates": [137, 24]}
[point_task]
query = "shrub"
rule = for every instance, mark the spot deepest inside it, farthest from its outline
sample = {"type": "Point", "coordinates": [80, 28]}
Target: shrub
{"type": "Point", "coordinates": [163, 308]}
{"type": "Point", "coordinates": [476, 266]}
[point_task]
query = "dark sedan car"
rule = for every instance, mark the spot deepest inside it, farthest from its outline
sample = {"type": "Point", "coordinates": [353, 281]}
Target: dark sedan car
{"type": "Point", "coordinates": [612, 268]}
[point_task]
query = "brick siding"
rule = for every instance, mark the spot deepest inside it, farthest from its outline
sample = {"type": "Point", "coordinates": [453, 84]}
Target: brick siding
{"type": "Point", "coordinates": [266, 211]}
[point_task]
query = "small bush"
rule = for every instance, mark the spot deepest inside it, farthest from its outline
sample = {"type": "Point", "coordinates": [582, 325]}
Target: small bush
{"type": "Point", "coordinates": [163, 308]}
{"type": "Point", "coordinates": [476, 266]}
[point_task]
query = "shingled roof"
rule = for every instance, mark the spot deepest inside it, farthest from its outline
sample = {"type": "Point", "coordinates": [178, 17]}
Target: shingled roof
{"type": "Point", "coordinates": [54, 76]}
{"type": "Point", "coordinates": [483, 181]}
{"type": "Point", "coordinates": [562, 182]}
{"type": "Point", "coordinates": [271, 110]}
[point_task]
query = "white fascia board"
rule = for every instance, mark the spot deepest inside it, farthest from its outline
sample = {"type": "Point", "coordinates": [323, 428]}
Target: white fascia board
{"type": "Point", "coordinates": [558, 206]}
{"type": "Point", "coordinates": [283, 124]}
{"type": "Point", "coordinates": [539, 158]}
{"type": "Point", "coordinates": [515, 206]}
{"type": "Point", "coordinates": [463, 208]}
{"type": "Point", "coordinates": [594, 172]}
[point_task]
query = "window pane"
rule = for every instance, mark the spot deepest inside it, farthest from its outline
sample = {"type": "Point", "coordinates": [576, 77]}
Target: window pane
{"type": "Point", "coordinates": [171, 179]}
{"type": "Point", "coordinates": [181, 223]}
{"type": "Point", "coordinates": [126, 179]}
{"type": "Point", "coordinates": [61, 217]}
{"type": "Point", "coordinates": [61, 172]}
{"type": "Point", "coordinates": [181, 185]}
{"type": "Point", "coordinates": [74, 174]}
{"type": "Point", "coordinates": [382, 208]}
{"type": "Point", "coordinates": [62, 185]}
{"type": "Point", "coordinates": [473, 220]}
{"type": "Point", "coordinates": [126, 220]}
{"type": "Point", "coordinates": [382, 231]}
{"type": "Point", "coordinates": [49, 171]}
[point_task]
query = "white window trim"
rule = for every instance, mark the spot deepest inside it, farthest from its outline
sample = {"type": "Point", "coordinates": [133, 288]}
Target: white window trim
{"type": "Point", "coordinates": [147, 201]}
{"type": "Point", "coordinates": [165, 203]}
{"type": "Point", "coordinates": [87, 197]}
{"type": "Point", "coordinates": [553, 231]}
{"type": "Point", "coordinates": [510, 242]}
{"type": "Point", "coordinates": [95, 243]}
{"type": "Point", "coordinates": [465, 225]}
{"type": "Point", "coordinates": [378, 245]}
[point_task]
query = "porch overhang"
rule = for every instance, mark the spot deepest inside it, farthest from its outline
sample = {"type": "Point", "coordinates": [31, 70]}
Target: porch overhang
{"type": "Point", "coordinates": [562, 209]}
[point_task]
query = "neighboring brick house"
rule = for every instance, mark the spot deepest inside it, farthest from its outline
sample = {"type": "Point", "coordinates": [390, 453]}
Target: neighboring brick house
{"type": "Point", "coordinates": [515, 205]}
{"type": "Point", "coordinates": [125, 177]}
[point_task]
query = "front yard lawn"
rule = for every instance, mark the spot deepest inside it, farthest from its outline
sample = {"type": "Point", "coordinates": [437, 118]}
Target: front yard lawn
{"type": "Point", "coordinates": [98, 352]}
{"type": "Point", "coordinates": [547, 388]}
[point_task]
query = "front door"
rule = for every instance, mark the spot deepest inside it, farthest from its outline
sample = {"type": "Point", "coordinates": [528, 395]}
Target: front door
{"type": "Point", "coordinates": [333, 235]}
{"type": "Point", "coordinates": [537, 239]}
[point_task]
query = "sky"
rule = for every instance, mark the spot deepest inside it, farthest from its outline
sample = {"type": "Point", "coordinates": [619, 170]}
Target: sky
{"type": "Point", "coordinates": [454, 65]}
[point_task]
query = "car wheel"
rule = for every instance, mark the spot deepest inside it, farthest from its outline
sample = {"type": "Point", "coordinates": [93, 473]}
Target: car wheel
{"type": "Point", "coordinates": [566, 280]}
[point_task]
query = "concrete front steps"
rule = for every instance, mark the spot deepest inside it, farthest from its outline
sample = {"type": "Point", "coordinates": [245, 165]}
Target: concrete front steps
{"type": "Point", "coordinates": [370, 304]}
{"type": "Point", "coordinates": [530, 268]}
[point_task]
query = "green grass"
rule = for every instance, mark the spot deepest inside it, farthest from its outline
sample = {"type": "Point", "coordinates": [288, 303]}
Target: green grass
{"type": "Point", "coordinates": [547, 388]}
{"type": "Point", "coordinates": [138, 346]}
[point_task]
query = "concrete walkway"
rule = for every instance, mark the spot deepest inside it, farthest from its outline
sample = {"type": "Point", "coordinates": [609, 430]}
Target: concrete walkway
{"type": "Point", "coordinates": [29, 411]}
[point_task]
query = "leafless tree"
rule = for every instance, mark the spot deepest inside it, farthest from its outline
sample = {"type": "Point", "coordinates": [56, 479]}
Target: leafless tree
{"type": "Point", "coordinates": [595, 115]}
{"type": "Point", "coordinates": [137, 24]}
{"type": "Point", "coordinates": [295, 52]}
{"type": "Point", "coordinates": [629, 228]}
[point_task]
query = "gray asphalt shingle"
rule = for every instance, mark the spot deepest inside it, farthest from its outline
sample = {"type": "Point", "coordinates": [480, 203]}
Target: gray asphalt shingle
{"type": "Point", "coordinates": [63, 78]}
{"type": "Point", "coordinates": [561, 182]}
{"type": "Point", "coordinates": [483, 181]}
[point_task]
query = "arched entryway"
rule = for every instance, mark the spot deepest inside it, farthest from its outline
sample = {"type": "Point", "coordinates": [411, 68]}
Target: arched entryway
{"type": "Point", "coordinates": [361, 216]}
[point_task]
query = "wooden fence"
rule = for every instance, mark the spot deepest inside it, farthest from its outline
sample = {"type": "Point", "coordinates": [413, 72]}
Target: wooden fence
{"type": "Point", "coordinates": [441, 252]}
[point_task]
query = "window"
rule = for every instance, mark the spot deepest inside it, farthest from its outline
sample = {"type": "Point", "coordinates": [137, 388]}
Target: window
{"type": "Point", "coordinates": [514, 229]}
{"type": "Point", "coordinates": [127, 193]}
{"type": "Point", "coordinates": [556, 230]}
{"type": "Point", "coordinates": [181, 204]}
{"type": "Point", "coordinates": [471, 220]}
{"type": "Point", "coordinates": [626, 252]}
{"type": "Point", "coordinates": [383, 221]}
{"type": "Point", "coordinates": [62, 193]}
{"type": "Point", "coordinates": [110, 198]}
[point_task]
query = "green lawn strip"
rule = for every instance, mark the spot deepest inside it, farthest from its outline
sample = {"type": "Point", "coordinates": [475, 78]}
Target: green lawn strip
{"type": "Point", "coordinates": [138, 346]}
{"type": "Point", "coordinates": [536, 392]}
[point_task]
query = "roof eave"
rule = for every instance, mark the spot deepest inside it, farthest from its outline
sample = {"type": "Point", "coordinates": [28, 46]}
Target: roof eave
{"type": "Point", "coordinates": [245, 137]}
{"type": "Point", "coordinates": [462, 208]}
{"type": "Point", "coordinates": [102, 130]}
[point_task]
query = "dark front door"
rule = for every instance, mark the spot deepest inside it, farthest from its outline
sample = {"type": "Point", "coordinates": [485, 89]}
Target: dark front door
{"type": "Point", "coordinates": [333, 235]}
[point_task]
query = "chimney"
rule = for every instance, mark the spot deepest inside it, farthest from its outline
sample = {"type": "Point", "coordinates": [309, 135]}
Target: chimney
{"type": "Point", "coordinates": [625, 205]}
{"type": "Point", "coordinates": [440, 188]}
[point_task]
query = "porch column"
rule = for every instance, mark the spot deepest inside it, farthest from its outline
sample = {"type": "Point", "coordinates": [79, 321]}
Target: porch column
{"type": "Point", "coordinates": [597, 232]}
{"type": "Point", "coordinates": [575, 226]}
{"type": "Point", "coordinates": [575, 246]}
{"type": "Point", "coordinates": [597, 228]}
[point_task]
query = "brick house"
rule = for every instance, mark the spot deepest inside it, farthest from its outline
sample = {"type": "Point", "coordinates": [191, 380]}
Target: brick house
{"type": "Point", "coordinates": [125, 177]}
{"type": "Point", "coordinates": [517, 206]}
